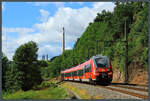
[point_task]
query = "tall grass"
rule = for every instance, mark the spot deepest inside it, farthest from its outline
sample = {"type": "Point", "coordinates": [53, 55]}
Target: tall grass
{"type": "Point", "coordinates": [52, 92]}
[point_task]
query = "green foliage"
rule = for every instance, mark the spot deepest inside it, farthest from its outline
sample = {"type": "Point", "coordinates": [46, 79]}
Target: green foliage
{"type": "Point", "coordinates": [45, 84]}
{"type": "Point", "coordinates": [50, 93]}
{"type": "Point", "coordinates": [25, 59]}
{"type": "Point", "coordinates": [110, 26]}
{"type": "Point", "coordinates": [42, 63]}
{"type": "Point", "coordinates": [13, 78]}
{"type": "Point", "coordinates": [4, 69]}
{"type": "Point", "coordinates": [23, 72]}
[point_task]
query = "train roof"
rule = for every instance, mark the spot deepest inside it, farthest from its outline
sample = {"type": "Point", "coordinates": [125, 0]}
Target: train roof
{"type": "Point", "coordinates": [79, 67]}
{"type": "Point", "coordinates": [99, 56]}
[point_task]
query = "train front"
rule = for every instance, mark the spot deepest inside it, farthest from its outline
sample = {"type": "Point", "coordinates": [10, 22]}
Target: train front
{"type": "Point", "coordinates": [103, 69]}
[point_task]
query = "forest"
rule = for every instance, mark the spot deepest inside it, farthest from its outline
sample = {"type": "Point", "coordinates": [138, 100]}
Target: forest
{"type": "Point", "coordinates": [26, 71]}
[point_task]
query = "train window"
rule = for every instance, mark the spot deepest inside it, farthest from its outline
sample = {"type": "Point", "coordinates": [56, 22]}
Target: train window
{"type": "Point", "coordinates": [102, 62]}
{"type": "Point", "coordinates": [75, 73]}
{"type": "Point", "coordinates": [89, 68]}
{"type": "Point", "coordinates": [86, 69]}
{"type": "Point", "coordinates": [82, 72]}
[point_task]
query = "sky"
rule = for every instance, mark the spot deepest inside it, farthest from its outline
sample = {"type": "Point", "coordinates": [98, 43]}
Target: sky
{"type": "Point", "coordinates": [42, 22]}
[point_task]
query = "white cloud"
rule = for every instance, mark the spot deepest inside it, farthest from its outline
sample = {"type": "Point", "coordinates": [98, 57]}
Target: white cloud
{"type": "Point", "coordinates": [58, 4]}
{"type": "Point", "coordinates": [17, 30]}
{"type": "Point", "coordinates": [49, 31]}
{"type": "Point", "coordinates": [68, 48]}
{"type": "Point", "coordinates": [3, 38]}
{"type": "Point", "coordinates": [44, 15]}
{"type": "Point", "coordinates": [9, 47]}
{"type": "Point", "coordinates": [74, 20]}
{"type": "Point", "coordinates": [41, 3]}
{"type": "Point", "coordinates": [49, 49]}
{"type": "Point", "coordinates": [81, 3]}
{"type": "Point", "coordinates": [3, 7]}
{"type": "Point", "coordinates": [10, 43]}
{"type": "Point", "coordinates": [108, 6]}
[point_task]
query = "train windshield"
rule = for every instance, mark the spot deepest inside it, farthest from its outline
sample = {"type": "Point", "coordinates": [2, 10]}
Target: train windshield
{"type": "Point", "coordinates": [102, 62]}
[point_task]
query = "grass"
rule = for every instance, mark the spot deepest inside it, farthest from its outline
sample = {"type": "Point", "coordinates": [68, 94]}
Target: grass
{"type": "Point", "coordinates": [53, 92]}
{"type": "Point", "coordinates": [80, 92]}
{"type": "Point", "coordinates": [47, 93]}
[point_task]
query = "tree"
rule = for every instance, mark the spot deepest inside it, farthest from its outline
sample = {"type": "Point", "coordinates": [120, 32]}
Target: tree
{"type": "Point", "coordinates": [4, 69]}
{"type": "Point", "coordinates": [25, 60]}
{"type": "Point", "coordinates": [42, 63]}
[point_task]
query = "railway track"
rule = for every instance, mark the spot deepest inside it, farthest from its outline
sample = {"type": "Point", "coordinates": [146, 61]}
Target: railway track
{"type": "Point", "coordinates": [128, 91]}
{"type": "Point", "coordinates": [125, 90]}
{"type": "Point", "coordinates": [133, 88]}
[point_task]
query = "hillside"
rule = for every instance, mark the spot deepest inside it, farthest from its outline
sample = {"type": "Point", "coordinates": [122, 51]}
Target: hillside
{"type": "Point", "coordinates": [110, 26]}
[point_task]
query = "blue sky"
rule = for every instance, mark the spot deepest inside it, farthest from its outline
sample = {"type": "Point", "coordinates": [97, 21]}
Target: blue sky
{"type": "Point", "coordinates": [42, 22]}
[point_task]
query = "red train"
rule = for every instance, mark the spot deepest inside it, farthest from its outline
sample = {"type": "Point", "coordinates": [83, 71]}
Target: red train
{"type": "Point", "coordinates": [96, 69]}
